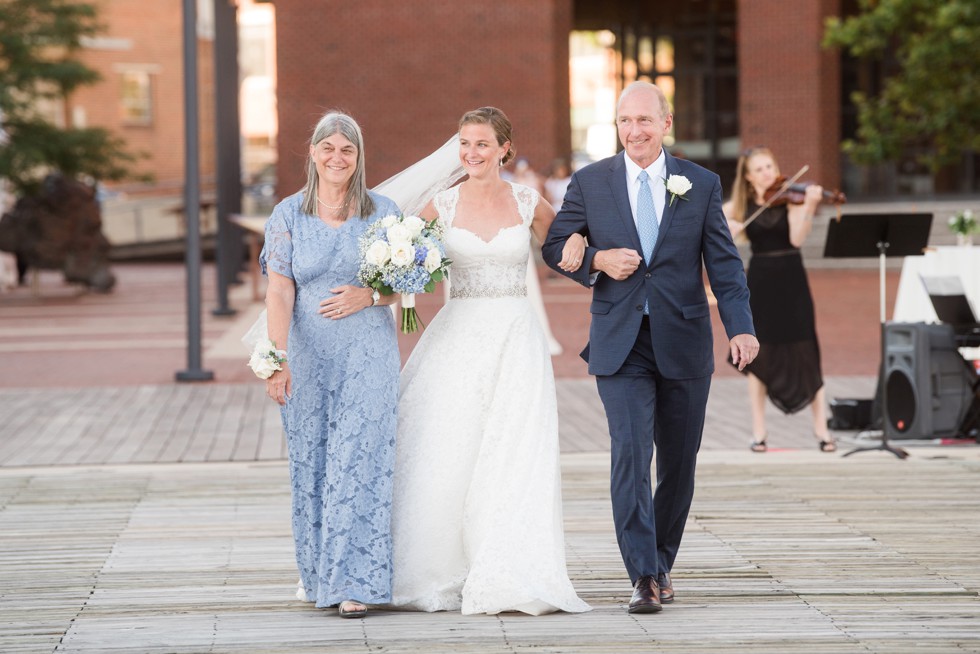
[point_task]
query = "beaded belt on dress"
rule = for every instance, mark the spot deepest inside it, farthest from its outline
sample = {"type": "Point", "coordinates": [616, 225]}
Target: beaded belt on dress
{"type": "Point", "coordinates": [515, 290]}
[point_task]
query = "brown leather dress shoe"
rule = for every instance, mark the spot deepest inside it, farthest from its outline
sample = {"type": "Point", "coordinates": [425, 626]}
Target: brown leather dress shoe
{"type": "Point", "coordinates": [666, 588]}
{"type": "Point", "coordinates": [646, 596]}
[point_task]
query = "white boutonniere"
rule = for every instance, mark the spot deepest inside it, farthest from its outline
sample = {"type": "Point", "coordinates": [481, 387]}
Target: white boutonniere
{"type": "Point", "coordinates": [677, 186]}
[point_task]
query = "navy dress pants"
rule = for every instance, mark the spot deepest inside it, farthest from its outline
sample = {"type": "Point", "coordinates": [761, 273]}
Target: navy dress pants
{"type": "Point", "coordinates": [647, 411]}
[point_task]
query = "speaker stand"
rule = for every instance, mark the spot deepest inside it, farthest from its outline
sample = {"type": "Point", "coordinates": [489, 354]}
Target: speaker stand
{"type": "Point", "coordinates": [884, 445]}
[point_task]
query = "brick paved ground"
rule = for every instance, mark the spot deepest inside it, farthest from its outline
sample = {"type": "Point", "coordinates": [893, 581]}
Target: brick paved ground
{"type": "Point", "coordinates": [136, 334]}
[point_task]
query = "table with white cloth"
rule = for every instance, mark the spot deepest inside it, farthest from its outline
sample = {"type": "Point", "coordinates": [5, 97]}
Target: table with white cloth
{"type": "Point", "coordinates": [912, 303]}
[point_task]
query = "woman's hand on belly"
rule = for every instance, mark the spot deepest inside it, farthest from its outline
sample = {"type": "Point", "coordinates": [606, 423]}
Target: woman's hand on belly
{"type": "Point", "coordinates": [345, 301]}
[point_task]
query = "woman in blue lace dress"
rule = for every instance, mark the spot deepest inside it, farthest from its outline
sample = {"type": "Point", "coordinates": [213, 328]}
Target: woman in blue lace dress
{"type": "Point", "coordinates": [338, 389]}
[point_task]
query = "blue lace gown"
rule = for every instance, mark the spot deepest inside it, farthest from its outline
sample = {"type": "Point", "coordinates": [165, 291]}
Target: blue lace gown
{"type": "Point", "coordinates": [340, 421]}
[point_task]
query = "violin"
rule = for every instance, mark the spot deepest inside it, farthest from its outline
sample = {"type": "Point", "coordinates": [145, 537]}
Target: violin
{"type": "Point", "coordinates": [794, 193]}
{"type": "Point", "coordinates": [789, 191]}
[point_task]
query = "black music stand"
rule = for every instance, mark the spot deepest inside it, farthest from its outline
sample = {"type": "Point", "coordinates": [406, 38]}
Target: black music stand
{"type": "Point", "coordinates": [879, 235]}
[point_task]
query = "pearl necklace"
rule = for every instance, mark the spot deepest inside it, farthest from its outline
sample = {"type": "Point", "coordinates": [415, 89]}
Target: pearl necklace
{"type": "Point", "coordinates": [327, 205]}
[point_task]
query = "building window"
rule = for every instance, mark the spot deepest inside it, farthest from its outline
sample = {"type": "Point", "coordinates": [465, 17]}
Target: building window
{"type": "Point", "coordinates": [136, 103]}
{"type": "Point", "coordinates": [691, 53]}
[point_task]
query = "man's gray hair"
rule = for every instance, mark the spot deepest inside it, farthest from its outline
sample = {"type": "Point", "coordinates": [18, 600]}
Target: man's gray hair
{"type": "Point", "coordinates": [646, 86]}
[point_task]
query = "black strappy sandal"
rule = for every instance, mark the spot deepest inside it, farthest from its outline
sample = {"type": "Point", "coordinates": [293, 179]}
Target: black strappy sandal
{"type": "Point", "coordinates": [759, 446]}
{"type": "Point", "coordinates": [828, 445]}
{"type": "Point", "coordinates": [346, 612]}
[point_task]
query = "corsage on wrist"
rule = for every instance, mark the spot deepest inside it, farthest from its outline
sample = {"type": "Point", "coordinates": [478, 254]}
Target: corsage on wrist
{"type": "Point", "coordinates": [266, 359]}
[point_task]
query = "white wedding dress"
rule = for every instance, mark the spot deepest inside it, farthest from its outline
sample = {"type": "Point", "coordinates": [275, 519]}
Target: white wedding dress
{"type": "Point", "coordinates": [477, 521]}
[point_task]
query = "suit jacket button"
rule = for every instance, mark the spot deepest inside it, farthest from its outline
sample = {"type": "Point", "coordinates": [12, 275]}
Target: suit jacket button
{"type": "Point", "coordinates": [639, 307]}
{"type": "Point", "coordinates": [648, 275]}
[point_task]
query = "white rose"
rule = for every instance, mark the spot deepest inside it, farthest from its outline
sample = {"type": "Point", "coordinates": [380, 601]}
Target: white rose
{"type": "Point", "coordinates": [264, 345]}
{"type": "Point", "coordinates": [388, 221]}
{"type": "Point", "coordinates": [263, 367]}
{"type": "Point", "coordinates": [402, 254]}
{"type": "Point", "coordinates": [414, 225]}
{"type": "Point", "coordinates": [378, 253]}
{"type": "Point", "coordinates": [432, 261]}
{"type": "Point", "coordinates": [399, 234]}
{"type": "Point", "coordinates": [678, 184]}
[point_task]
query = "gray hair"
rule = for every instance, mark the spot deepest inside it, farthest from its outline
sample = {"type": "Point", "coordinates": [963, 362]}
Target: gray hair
{"type": "Point", "coordinates": [357, 196]}
{"type": "Point", "coordinates": [640, 86]}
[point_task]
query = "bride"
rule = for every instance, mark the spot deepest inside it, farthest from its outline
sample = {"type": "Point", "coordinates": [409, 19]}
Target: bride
{"type": "Point", "coordinates": [476, 518]}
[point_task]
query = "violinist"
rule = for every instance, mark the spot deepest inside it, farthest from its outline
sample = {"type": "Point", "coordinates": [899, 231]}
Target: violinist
{"type": "Point", "coordinates": [787, 369]}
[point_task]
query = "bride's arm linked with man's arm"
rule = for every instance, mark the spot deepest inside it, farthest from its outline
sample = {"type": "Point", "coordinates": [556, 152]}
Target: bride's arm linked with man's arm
{"type": "Point", "coordinates": [573, 249]}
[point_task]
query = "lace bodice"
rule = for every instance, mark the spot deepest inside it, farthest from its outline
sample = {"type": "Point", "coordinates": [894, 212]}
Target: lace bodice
{"type": "Point", "coordinates": [494, 268]}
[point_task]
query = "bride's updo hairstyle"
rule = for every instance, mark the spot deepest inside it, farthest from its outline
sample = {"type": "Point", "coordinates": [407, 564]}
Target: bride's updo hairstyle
{"type": "Point", "coordinates": [500, 123]}
{"type": "Point", "coordinates": [357, 196]}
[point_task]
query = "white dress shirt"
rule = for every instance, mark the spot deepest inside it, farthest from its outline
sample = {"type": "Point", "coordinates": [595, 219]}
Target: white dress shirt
{"type": "Point", "coordinates": [657, 172]}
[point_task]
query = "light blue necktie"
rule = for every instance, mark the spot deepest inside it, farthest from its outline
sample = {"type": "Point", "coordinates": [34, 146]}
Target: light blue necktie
{"type": "Point", "coordinates": [646, 222]}
{"type": "Point", "coordinates": [646, 217]}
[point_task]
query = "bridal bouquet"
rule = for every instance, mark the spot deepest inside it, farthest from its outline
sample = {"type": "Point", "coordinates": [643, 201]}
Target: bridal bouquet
{"type": "Point", "coordinates": [403, 254]}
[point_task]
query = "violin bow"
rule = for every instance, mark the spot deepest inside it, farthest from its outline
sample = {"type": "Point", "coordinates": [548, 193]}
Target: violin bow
{"type": "Point", "coordinates": [782, 189]}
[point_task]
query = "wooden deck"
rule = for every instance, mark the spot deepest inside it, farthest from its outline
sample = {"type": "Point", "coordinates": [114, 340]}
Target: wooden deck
{"type": "Point", "coordinates": [138, 515]}
{"type": "Point", "coordinates": [787, 552]}
{"type": "Point", "coordinates": [236, 422]}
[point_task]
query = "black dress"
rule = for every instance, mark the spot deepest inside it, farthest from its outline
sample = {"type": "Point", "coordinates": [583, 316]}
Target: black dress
{"type": "Point", "coordinates": [782, 309]}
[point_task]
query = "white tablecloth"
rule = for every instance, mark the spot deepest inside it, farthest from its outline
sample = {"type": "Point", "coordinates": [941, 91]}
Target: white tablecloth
{"type": "Point", "coordinates": [913, 304]}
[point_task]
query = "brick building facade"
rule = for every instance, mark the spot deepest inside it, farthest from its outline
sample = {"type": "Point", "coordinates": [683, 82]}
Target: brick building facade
{"type": "Point", "coordinates": [789, 87]}
{"type": "Point", "coordinates": [142, 45]}
{"type": "Point", "coordinates": [407, 71]}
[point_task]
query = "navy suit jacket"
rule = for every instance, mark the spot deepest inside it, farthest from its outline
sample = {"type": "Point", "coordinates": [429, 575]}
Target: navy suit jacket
{"type": "Point", "coordinates": [692, 230]}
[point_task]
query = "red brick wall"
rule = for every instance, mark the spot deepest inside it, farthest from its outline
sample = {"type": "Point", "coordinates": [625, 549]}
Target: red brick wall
{"type": "Point", "coordinates": [408, 70]}
{"type": "Point", "coordinates": [789, 86]}
{"type": "Point", "coordinates": [153, 32]}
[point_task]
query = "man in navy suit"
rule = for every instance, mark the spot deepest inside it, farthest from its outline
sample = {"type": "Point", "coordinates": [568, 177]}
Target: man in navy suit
{"type": "Point", "coordinates": [651, 220]}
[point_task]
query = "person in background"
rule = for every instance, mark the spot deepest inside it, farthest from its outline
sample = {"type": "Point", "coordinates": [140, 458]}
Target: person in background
{"type": "Point", "coordinates": [787, 369]}
{"type": "Point", "coordinates": [557, 183]}
{"type": "Point", "coordinates": [525, 175]}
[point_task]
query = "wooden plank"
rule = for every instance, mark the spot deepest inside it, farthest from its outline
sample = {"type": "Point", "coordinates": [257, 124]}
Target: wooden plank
{"type": "Point", "coordinates": [172, 404]}
{"type": "Point", "coordinates": [781, 554]}
{"type": "Point", "coordinates": [257, 405]}
{"type": "Point", "coordinates": [37, 443]}
{"type": "Point", "coordinates": [117, 425]}
{"type": "Point", "coordinates": [206, 431]}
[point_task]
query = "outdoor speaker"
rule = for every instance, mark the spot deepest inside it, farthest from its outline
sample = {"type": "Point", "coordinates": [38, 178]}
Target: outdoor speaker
{"type": "Point", "coordinates": [927, 383]}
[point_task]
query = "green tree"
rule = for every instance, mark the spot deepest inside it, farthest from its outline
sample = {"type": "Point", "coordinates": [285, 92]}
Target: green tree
{"type": "Point", "coordinates": [932, 99]}
{"type": "Point", "coordinates": [39, 67]}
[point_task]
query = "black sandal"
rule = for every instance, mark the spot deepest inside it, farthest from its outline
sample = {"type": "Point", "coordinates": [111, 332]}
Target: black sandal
{"type": "Point", "coordinates": [828, 445]}
{"type": "Point", "coordinates": [346, 612]}
{"type": "Point", "coordinates": [759, 446]}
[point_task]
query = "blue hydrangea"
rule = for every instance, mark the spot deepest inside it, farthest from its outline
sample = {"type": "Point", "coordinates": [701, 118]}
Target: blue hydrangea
{"type": "Point", "coordinates": [406, 280]}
